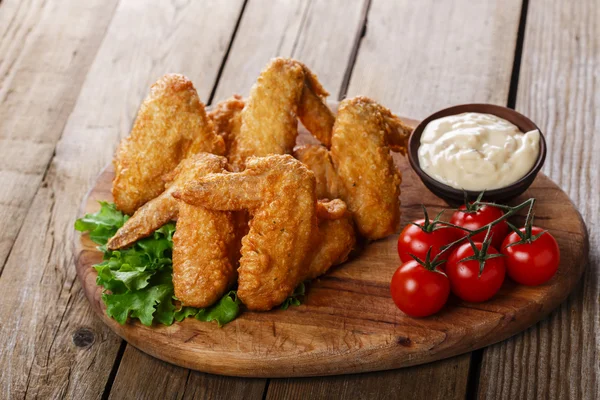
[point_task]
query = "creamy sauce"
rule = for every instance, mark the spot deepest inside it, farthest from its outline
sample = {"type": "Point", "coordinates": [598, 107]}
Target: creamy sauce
{"type": "Point", "coordinates": [474, 151]}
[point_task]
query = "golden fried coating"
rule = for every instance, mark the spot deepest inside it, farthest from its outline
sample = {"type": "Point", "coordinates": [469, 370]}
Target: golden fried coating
{"type": "Point", "coordinates": [363, 134]}
{"type": "Point", "coordinates": [227, 119]}
{"type": "Point", "coordinates": [318, 160]}
{"type": "Point", "coordinates": [284, 91]}
{"type": "Point", "coordinates": [279, 192]}
{"type": "Point", "coordinates": [206, 243]}
{"type": "Point", "coordinates": [336, 237]}
{"type": "Point", "coordinates": [171, 124]}
{"type": "Point", "coordinates": [165, 207]}
{"type": "Point", "coordinates": [313, 110]}
{"type": "Point", "coordinates": [205, 255]}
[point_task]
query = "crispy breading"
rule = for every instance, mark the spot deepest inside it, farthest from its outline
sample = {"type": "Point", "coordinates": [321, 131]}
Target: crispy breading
{"type": "Point", "coordinates": [227, 118]}
{"type": "Point", "coordinates": [336, 237]}
{"type": "Point", "coordinates": [165, 207]}
{"type": "Point", "coordinates": [279, 192]}
{"type": "Point", "coordinates": [206, 243]}
{"type": "Point", "coordinates": [363, 134]}
{"type": "Point", "coordinates": [205, 255]}
{"type": "Point", "coordinates": [284, 91]}
{"type": "Point", "coordinates": [171, 124]}
{"type": "Point", "coordinates": [318, 160]}
{"type": "Point", "coordinates": [313, 110]}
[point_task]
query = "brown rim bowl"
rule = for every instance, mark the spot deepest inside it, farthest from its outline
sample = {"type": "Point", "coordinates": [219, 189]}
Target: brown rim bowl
{"type": "Point", "coordinates": [455, 196]}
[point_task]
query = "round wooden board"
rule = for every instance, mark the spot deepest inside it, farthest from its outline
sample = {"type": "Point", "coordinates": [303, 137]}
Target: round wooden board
{"type": "Point", "coordinates": [348, 322]}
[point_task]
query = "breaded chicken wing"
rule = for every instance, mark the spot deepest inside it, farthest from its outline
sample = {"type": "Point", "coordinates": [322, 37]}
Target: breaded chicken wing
{"type": "Point", "coordinates": [363, 134]}
{"type": "Point", "coordinates": [359, 168]}
{"type": "Point", "coordinates": [171, 124]}
{"type": "Point", "coordinates": [206, 244]}
{"type": "Point", "coordinates": [313, 110]}
{"type": "Point", "coordinates": [279, 192]}
{"type": "Point", "coordinates": [336, 237]}
{"type": "Point", "coordinates": [205, 255]}
{"type": "Point", "coordinates": [284, 91]}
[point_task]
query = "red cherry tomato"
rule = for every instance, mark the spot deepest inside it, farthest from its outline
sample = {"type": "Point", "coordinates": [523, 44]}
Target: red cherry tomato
{"type": "Point", "coordinates": [418, 291]}
{"type": "Point", "coordinates": [477, 219]}
{"type": "Point", "coordinates": [531, 263]}
{"type": "Point", "coordinates": [414, 240]}
{"type": "Point", "coordinates": [465, 281]}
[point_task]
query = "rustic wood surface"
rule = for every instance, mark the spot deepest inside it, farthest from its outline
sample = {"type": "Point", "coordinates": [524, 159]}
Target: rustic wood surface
{"type": "Point", "coordinates": [73, 73]}
{"type": "Point", "coordinates": [559, 86]}
{"type": "Point", "coordinates": [348, 322]}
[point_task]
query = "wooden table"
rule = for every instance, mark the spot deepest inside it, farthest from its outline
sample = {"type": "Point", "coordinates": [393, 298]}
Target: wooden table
{"type": "Point", "coordinates": [73, 73]}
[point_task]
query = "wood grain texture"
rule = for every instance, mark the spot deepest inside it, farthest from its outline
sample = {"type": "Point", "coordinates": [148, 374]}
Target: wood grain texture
{"type": "Point", "coordinates": [143, 377]}
{"type": "Point", "coordinates": [46, 48]}
{"type": "Point", "coordinates": [16, 21]}
{"type": "Point", "coordinates": [145, 39]}
{"type": "Point", "coordinates": [559, 89]}
{"type": "Point", "coordinates": [320, 33]}
{"type": "Point", "coordinates": [418, 60]}
{"type": "Point", "coordinates": [414, 383]}
{"type": "Point", "coordinates": [348, 322]}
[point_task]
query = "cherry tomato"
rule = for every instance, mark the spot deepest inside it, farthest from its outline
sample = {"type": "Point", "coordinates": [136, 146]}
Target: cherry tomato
{"type": "Point", "coordinates": [476, 219]}
{"type": "Point", "coordinates": [531, 263]}
{"type": "Point", "coordinates": [465, 281]}
{"type": "Point", "coordinates": [414, 240]}
{"type": "Point", "coordinates": [418, 291]}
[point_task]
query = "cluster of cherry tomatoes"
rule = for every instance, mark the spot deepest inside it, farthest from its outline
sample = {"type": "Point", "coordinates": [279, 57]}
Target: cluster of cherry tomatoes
{"type": "Point", "coordinates": [469, 256]}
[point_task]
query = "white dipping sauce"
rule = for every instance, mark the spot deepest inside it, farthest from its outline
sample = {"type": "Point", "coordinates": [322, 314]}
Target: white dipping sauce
{"type": "Point", "coordinates": [474, 151]}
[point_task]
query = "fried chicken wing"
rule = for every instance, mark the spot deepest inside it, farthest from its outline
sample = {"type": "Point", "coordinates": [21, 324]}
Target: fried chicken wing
{"type": "Point", "coordinates": [313, 110]}
{"type": "Point", "coordinates": [359, 168]}
{"type": "Point", "coordinates": [206, 244]}
{"type": "Point", "coordinates": [363, 134]}
{"type": "Point", "coordinates": [171, 124]}
{"type": "Point", "coordinates": [205, 255]}
{"type": "Point", "coordinates": [279, 192]}
{"type": "Point", "coordinates": [284, 91]}
{"type": "Point", "coordinates": [336, 237]}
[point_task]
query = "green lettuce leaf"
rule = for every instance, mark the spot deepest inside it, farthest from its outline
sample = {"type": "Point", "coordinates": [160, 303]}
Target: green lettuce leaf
{"type": "Point", "coordinates": [225, 311]}
{"type": "Point", "coordinates": [185, 312]}
{"type": "Point", "coordinates": [103, 224]}
{"type": "Point", "coordinates": [296, 298]}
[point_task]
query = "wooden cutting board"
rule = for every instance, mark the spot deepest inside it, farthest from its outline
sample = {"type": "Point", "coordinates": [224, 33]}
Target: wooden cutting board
{"type": "Point", "coordinates": [348, 322]}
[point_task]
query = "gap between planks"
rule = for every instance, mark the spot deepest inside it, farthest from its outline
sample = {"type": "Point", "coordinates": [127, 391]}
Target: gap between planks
{"type": "Point", "coordinates": [477, 355]}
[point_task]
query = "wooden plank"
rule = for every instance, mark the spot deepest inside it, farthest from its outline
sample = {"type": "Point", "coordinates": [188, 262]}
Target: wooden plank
{"type": "Point", "coordinates": [42, 67]}
{"type": "Point", "coordinates": [414, 383]}
{"type": "Point", "coordinates": [416, 60]}
{"type": "Point", "coordinates": [320, 33]}
{"type": "Point", "coordinates": [46, 349]}
{"type": "Point", "coordinates": [559, 88]}
{"type": "Point", "coordinates": [168, 381]}
{"type": "Point", "coordinates": [17, 20]}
